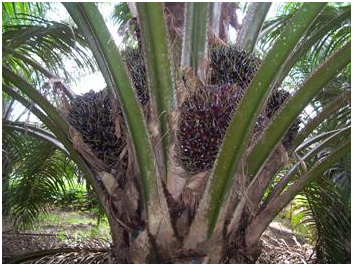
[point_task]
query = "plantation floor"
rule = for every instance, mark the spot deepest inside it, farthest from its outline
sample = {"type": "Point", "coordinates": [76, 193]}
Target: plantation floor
{"type": "Point", "coordinates": [79, 230]}
{"type": "Point", "coordinates": [59, 229]}
{"type": "Point", "coordinates": [281, 245]}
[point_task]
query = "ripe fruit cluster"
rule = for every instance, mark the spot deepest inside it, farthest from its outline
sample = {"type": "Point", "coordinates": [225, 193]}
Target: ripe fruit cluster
{"type": "Point", "coordinates": [206, 114]}
{"type": "Point", "coordinates": [92, 114]}
{"type": "Point", "coordinates": [204, 118]}
{"type": "Point", "coordinates": [135, 63]}
{"type": "Point", "coordinates": [232, 66]}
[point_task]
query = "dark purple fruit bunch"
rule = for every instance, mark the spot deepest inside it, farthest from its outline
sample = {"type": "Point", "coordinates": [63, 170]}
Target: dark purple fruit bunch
{"type": "Point", "coordinates": [93, 115]}
{"type": "Point", "coordinates": [204, 119]}
{"type": "Point", "coordinates": [276, 100]}
{"type": "Point", "coordinates": [205, 116]}
{"type": "Point", "coordinates": [232, 66]}
{"type": "Point", "coordinates": [135, 63]}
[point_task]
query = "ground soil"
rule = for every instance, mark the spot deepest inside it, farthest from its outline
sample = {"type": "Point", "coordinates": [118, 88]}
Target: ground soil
{"type": "Point", "coordinates": [280, 245]}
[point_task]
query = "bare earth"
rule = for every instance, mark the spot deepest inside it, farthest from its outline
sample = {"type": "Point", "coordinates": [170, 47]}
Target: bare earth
{"type": "Point", "coordinates": [280, 245]}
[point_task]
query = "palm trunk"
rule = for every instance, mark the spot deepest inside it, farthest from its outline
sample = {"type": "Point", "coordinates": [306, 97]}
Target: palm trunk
{"type": "Point", "coordinates": [236, 240]}
{"type": "Point", "coordinates": [132, 241]}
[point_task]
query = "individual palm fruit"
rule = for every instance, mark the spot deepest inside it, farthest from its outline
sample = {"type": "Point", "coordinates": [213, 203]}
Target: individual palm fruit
{"type": "Point", "coordinates": [276, 100]}
{"type": "Point", "coordinates": [93, 115]}
{"type": "Point", "coordinates": [204, 118]}
{"type": "Point", "coordinates": [232, 66]}
{"type": "Point", "coordinates": [135, 63]}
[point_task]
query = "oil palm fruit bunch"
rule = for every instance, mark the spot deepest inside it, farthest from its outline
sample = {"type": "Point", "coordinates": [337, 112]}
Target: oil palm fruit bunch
{"type": "Point", "coordinates": [206, 114]}
{"type": "Point", "coordinates": [232, 66]}
{"type": "Point", "coordinates": [135, 63]}
{"type": "Point", "coordinates": [276, 100]}
{"type": "Point", "coordinates": [92, 114]}
{"type": "Point", "coordinates": [204, 118]}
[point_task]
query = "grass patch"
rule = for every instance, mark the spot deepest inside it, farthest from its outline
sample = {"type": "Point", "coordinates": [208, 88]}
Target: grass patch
{"type": "Point", "coordinates": [76, 224]}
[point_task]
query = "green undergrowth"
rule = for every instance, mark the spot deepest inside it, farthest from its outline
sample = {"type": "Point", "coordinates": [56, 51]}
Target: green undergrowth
{"type": "Point", "coordinates": [293, 218]}
{"type": "Point", "coordinates": [74, 225]}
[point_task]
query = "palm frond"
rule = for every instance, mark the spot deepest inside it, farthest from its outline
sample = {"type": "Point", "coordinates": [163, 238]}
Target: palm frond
{"type": "Point", "coordinates": [47, 42]}
{"type": "Point", "coordinates": [11, 11]}
{"type": "Point", "coordinates": [332, 41]}
{"type": "Point", "coordinates": [121, 15]}
{"type": "Point", "coordinates": [126, 24]}
{"type": "Point", "coordinates": [274, 26]}
{"type": "Point", "coordinates": [38, 171]}
{"type": "Point", "coordinates": [327, 200]}
{"type": "Point", "coordinates": [7, 106]}
{"type": "Point", "coordinates": [35, 131]}
{"type": "Point", "coordinates": [328, 205]}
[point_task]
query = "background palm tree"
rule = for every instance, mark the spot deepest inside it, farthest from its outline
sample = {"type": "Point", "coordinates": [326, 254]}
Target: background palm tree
{"type": "Point", "coordinates": [216, 215]}
{"type": "Point", "coordinates": [36, 166]}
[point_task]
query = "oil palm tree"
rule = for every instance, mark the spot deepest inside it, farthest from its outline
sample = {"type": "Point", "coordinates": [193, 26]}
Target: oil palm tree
{"type": "Point", "coordinates": [325, 209]}
{"type": "Point", "coordinates": [329, 232]}
{"type": "Point", "coordinates": [330, 194]}
{"type": "Point", "coordinates": [160, 209]}
{"type": "Point", "coordinates": [35, 164]}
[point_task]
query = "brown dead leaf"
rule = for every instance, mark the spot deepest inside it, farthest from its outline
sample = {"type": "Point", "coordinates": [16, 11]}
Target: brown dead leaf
{"type": "Point", "coordinates": [176, 175]}
{"type": "Point", "coordinates": [204, 71]}
{"type": "Point", "coordinates": [118, 121]}
{"type": "Point", "coordinates": [189, 201]}
{"type": "Point", "coordinates": [187, 85]}
{"type": "Point", "coordinates": [109, 182]}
